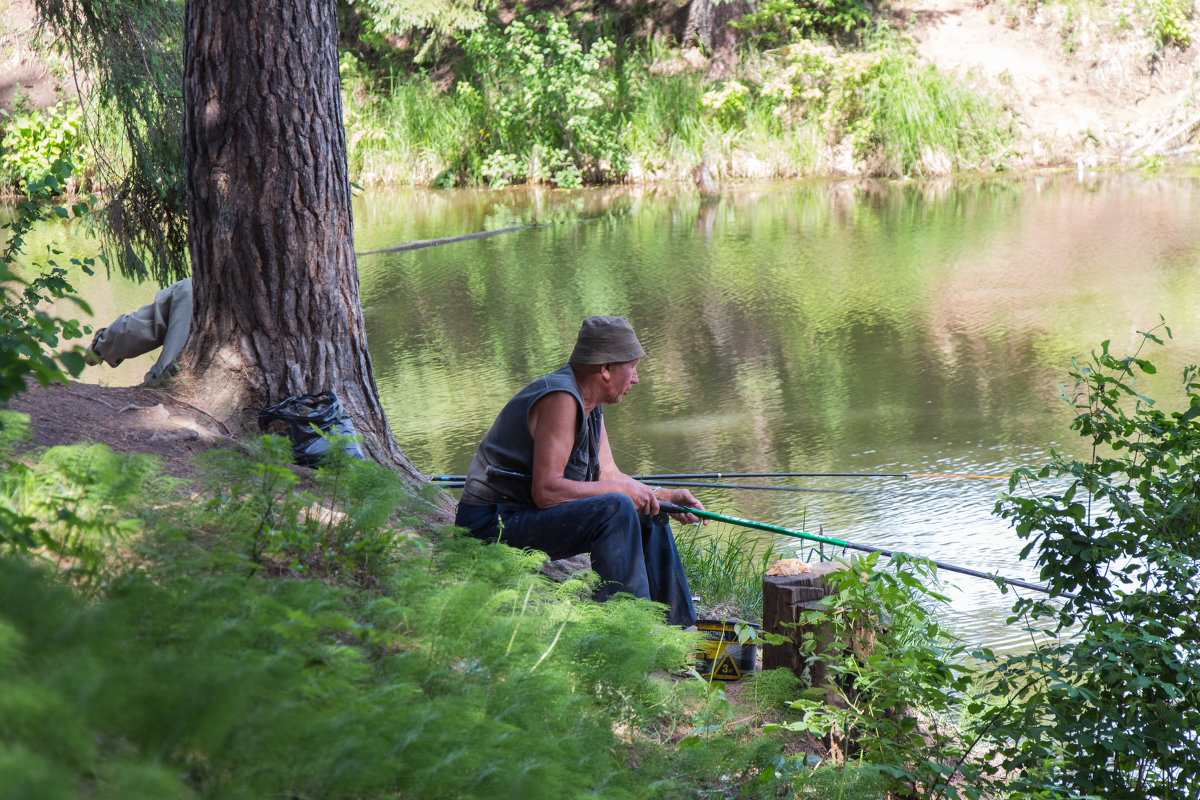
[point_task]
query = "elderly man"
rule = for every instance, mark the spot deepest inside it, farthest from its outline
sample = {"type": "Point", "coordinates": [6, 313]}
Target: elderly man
{"type": "Point", "coordinates": [544, 477]}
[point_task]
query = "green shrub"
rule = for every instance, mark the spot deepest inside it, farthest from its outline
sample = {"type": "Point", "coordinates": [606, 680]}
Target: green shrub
{"type": "Point", "coordinates": [459, 672]}
{"type": "Point", "coordinates": [728, 103]}
{"type": "Point", "coordinates": [1169, 24]}
{"type": "Point", "coordinates": [338, 528]}
{"type": "Point", "coordinates": [73, 505]}
{"type": "Point", "coordinates": [29, 334]}
{"type": "Point", "coordinates": [1109, 706]}
{"type": "Point", "coordinates": [35, 139]}
{"type": "Point", "coordinates": [774, 22]}
{"type": "Point", "coordinates": [545, 100]}
{"type": "Point", "coordinates": [899, 674]}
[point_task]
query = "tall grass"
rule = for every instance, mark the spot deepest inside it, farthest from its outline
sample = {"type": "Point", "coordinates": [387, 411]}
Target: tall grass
{"type": "Point", "coordinates": [409, 132]}
{"type": "Point", "coordinates": [664, 132]}
{"type": "Point", "coordinates": [726, 571]}
{"type": "Point", "coordinates": [922, 122]}
{"type": "Point", "coordinates": [803, 110]}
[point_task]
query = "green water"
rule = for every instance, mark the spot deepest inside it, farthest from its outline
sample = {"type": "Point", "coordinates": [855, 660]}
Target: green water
{"type": "Point", "coordinates": [807, 327]}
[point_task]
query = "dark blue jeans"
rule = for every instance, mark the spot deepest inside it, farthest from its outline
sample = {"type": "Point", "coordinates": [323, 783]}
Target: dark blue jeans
{"type": "Point", "coordinates": [629, 551]}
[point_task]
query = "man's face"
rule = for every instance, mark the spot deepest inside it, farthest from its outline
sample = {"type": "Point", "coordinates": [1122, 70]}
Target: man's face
{"type": "Point", "coordinates": [621, 377]}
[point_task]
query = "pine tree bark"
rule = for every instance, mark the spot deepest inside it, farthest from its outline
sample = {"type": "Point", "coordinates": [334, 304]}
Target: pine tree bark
{"type": "Point", "coordinates": [708, 23]}
{"type": "Point", "coordinates": [277, 309]}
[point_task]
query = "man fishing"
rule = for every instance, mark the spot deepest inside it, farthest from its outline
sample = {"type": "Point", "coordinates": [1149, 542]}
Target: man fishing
{"type": "Point", "coordinates": [544, 477]}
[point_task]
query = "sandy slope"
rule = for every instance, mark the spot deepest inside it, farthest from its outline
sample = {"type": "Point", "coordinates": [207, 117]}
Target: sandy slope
{"type": "Point", "coordinates": [1080, 94]}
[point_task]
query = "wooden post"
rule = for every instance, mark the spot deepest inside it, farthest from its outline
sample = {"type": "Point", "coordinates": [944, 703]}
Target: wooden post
{"type": "Point", "coordinates": [785, 598]}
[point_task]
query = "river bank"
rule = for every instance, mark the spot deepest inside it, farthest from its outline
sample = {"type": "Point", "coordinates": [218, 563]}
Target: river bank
{"type": "Point", "coordinates": [946, 87]}
{"type": "Point", "coordinates": [1026, 86]}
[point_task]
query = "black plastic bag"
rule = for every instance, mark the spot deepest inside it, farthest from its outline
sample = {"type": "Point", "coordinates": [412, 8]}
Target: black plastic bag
{"type": "Point", "coordinates": [306, 417]}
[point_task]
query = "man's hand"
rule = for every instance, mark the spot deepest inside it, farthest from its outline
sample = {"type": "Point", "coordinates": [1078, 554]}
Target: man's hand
{"type": "Point", "coordinates": [642, 495]}
{"type": "Point", "coordinates": [680, 497]}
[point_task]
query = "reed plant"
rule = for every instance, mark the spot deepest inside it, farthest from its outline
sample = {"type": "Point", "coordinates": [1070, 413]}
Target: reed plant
{"type": "Point", "coordinates": [406, 130]}
{"type": "Point", "coordinates": [921, 122]}
{"type": "Point", "coordinates": [725, 570]}
{"type": "Point", "coordinates": [664, 132]}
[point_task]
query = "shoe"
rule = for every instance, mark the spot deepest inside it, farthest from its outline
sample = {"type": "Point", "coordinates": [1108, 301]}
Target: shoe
{"type": "Point", "coordinates": [92, 357]}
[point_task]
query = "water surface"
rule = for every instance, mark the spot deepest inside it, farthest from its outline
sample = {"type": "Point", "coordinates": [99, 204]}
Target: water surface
{"type": "Point", "coordinates": [800, 327]}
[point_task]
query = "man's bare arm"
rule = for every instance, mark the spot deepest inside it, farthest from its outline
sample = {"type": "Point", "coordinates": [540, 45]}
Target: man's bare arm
{"type": "Point", "coordinates": [553, 421]}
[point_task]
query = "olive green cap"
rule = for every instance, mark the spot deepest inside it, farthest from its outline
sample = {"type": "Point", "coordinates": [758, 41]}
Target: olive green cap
{"type": "Point", "coordinates": [606, 340]}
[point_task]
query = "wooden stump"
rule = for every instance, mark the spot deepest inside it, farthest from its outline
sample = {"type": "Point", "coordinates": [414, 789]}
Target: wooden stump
{"type": "Point", "coordinates": [785, 598]}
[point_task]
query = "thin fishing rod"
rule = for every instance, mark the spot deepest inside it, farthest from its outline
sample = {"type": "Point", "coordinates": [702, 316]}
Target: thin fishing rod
{"type": "Point", "coordinates": [744, 486]}
{"type": "Point", "coordinates": [457, 481]}
{"type": "Point", "coordinates": [712, 475]}
{"type": "Point", "coordinates": [672, 508]}
{"type": "Point", "coordinates": [719, 475]}
{"type": "Point", "coordinates": [446, 482]}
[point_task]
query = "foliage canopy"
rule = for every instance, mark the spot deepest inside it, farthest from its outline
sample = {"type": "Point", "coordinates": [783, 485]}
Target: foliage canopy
{"type": "Point", "coordinates": [133, 52]}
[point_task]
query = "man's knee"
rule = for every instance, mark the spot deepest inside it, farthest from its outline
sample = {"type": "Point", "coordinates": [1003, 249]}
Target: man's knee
{"type": "Point", "coordinates": [618, 505]}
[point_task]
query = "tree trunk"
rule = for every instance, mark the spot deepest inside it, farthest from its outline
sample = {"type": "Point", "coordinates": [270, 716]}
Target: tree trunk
{"type": "Point", "coordinates": [277, 309]}
{"type": "Point", "coordinates": [708, 22]}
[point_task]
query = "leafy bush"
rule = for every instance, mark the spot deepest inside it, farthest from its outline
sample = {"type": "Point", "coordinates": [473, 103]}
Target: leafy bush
{"type": "Point", "coordinates": [35, 139]}
{"type": "Point", "coordinates": [337, 528]}
{"type": "Point", "coordinates": [545, 100]}
{"type": "Point", "coordinates": [1169, 24]}
{"type": "Point", "coordinates": [727, 103]}
{"type": "Point", "coordinates": [29, 335]}
{"type": "Point", "coordinates": [73, 505]}
{"type": "Point", "coordinates": [460, 672]}
{"type": "Point", "coordinates": [898, 673]}
{"type": "Point", "coordinates": [1110, 705]}
{"type": "Point", "coordinates": [781, 21]}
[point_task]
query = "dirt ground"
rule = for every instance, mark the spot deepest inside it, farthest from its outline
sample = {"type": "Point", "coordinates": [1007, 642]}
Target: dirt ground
{"type": "Point", "coordinates": [128, 419]}
{"type": "Point", "coordinates": [1081, 97]}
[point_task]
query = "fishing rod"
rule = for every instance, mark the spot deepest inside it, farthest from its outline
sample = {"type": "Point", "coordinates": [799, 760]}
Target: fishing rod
{"type": "Point", "coordinates": [744, 486]}
{"type": "Point", "coordinates": [672, 508]}
{"type": "Point", "coordinates": [719, 475]}
{"type": "Point", "coordinates": [451, 482]}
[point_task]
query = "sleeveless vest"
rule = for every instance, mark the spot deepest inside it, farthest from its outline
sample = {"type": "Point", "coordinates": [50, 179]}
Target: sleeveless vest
{"type": "Point", "coordinates": [508, 446]}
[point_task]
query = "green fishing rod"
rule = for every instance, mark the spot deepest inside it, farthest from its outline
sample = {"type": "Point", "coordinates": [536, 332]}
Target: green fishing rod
{"type": "Point", "coordinates": [672, 508]}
